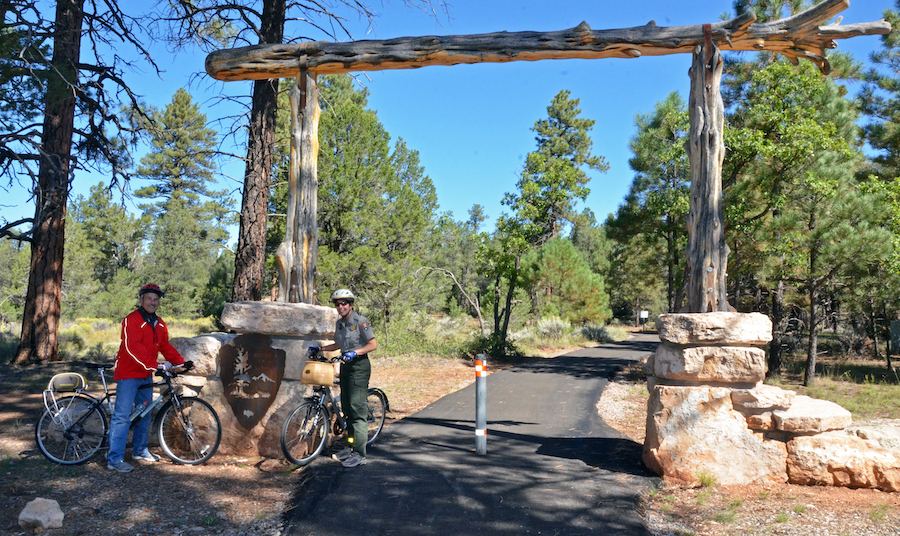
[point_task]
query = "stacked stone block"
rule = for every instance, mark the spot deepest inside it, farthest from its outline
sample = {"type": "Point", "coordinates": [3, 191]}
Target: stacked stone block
{"type": "Point", "coordinates": [292, 328]}
{"type": "Point", "coordinates": [710, 414]}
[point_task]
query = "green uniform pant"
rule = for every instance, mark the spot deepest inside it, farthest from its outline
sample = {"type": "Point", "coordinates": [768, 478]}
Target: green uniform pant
{"type": "Point", "coordinates": [354, 388]}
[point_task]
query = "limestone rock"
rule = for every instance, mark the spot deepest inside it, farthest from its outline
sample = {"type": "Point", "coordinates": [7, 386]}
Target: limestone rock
{"type": "Point", "coordinates": [280, 319]}
{"type": "Point", "coordinates": [721, 328]}
{"type": "Point", "coordinates": [763, 397]}
{"type": "Point", "coordinates": [695, 429]}
{"type": "Point", "coordinates": [810, 415]}
{"type": "Point", "coordinates": [289, 397]}
{"type": "Point", "coordinates": [838, 459]}
{"type": "Point", "coordinates": [732, 364]}
{"type": "Point", "coordinates": [41, 514]}
{"type": "Point", "coordinates": [885, 432]}
{"type": "Point", "coordinates": [761, 421]}
{"type": "Point", "coordinates": [203, 350]}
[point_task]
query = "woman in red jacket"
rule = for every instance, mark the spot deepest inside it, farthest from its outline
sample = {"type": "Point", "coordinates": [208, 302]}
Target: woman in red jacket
{"type": "Point", "coordinates": [144, 337]}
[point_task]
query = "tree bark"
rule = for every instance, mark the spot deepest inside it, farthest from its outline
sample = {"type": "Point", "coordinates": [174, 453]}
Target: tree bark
{"type": "Point", "coordinates": [298, 254]}
{"type": "Point", "coordinates": [812, 348]}
{"type": "Point", "coordinates": [795, 37]}
{"type": "Point", "coordinates": [707, 254]}
{"type": "Point", "coordinates": [250, 256]}
{"type": "Point", "coordinates": [39, 341]}
{"type": "Point", "coordinates": [776, 346]}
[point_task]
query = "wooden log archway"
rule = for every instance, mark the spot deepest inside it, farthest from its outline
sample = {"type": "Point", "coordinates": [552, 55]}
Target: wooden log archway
{"type": "Point", "coordinates": [796, 37]}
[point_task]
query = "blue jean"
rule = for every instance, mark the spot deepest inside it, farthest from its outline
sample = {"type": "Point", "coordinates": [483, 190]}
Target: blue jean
{"type": "Point", "coordinates": [128, 395]}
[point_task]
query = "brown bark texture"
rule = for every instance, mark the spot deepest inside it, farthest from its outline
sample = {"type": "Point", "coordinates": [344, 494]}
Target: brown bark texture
{"type": "Point", "coordinates": [707, 254]}
{"type": "Point", "coordinates": [298, 254]}
{"type": "Point", "coordinates": [250, 256]}
{"type": "Point", "coordinates": [799, 36]}
{"type": "Point", "coordinates": [39, 341]}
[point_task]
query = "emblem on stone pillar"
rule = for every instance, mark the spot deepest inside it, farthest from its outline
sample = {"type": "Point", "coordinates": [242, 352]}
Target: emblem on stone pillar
{"type": "Point", "coordinates": [251, 372]}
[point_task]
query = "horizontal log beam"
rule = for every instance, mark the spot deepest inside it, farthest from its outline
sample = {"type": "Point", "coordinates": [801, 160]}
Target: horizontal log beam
{"type": "Point", "coordinates": [799, 36]}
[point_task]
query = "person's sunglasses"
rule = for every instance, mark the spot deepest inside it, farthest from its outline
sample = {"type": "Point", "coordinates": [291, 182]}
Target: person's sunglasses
{"type": "Point", "coordinates": [341, 302]}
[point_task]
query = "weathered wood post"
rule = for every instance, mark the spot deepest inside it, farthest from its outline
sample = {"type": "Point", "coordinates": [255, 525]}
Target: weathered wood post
{"type": "Point", "coordinates": [707, 254]}
{"type": "Point", "coordinates": [298, 254]}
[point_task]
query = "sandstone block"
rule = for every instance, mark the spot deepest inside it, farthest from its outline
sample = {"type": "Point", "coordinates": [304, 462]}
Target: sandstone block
{"type": "Point", "coordinates": [762, 421]}
{"type": "Point", "coordinates": [885, 432]}
{"type": "Point", "coordinates": [694, 429]}
{"type": "Point", "coordinates": [203, 350]}
{"type": "Point", "coordinates": [732, 364]}
{"type": "Point", "coordinates": [810, 415]}
{"type": "Point", "coordinates": [721, 328]}
{"type": "Point", "coordinates": [41, 514]}
{"type": "Point", "coordinates": [838, 459]}
{"type": "Point", "coordinates": [763, 397]}
{"type": "Point", "coordinates": [280, 319]}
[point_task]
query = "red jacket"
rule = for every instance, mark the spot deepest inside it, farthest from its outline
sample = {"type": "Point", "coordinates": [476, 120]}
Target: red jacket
{"type": "Point", "coordinates": [141, 343]}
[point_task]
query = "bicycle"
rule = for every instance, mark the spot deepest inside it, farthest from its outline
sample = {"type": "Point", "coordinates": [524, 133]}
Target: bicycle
{"type": "Point", "coordinates": [306, 430]}
{"type": "Point", "coordinates": [75, 425]}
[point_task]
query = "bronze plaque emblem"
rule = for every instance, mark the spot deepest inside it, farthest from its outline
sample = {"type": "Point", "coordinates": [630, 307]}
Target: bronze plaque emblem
{"type": "Point", "coordinates": [251, 372]}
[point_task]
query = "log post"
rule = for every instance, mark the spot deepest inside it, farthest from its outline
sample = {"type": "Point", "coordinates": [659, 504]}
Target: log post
{"type": "Point", "coordinates": [297, 255]}
{"type": "Point", "coordinates": [707, 254]}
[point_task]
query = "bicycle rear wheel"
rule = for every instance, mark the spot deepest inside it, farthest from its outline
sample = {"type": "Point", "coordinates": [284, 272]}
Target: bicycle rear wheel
{"type": "Point", "coordinates": [305, 433]}
{"type": "Point", "coordinates": [375, 414]}
{"type": "Point", "coordinates": [189, 434]}
{"type": "Point", "coordinates": [73, 435]}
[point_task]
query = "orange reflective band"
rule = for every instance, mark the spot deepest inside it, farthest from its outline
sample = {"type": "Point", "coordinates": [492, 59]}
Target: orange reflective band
{"type": "Point", "coordinates": [479, 368]}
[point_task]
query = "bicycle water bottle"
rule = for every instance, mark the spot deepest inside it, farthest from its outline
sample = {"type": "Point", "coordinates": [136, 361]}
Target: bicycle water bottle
{"type": "Point", "coordinates": [137, 410]}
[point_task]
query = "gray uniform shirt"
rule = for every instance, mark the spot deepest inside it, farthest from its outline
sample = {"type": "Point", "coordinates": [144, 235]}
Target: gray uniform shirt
{"type": "Point", "coordinates": [353, 332]}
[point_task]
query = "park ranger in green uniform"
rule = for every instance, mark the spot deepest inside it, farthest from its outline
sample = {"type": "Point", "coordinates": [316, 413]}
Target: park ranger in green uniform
{"type": "Point", "coordinates": [353, 336]}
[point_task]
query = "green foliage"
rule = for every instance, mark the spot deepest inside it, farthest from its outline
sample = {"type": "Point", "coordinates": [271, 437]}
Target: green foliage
{"type": "Point", "coordinates": [655, 209]}
{"type": "Point", "coordinates": [554, 176]}
{"type": "Point", "coordinates": [376, 206]}
{"type": "Point", "coordinates": [218, 288]}
{"type": "Point", "coordinates": [15, 258]}
{"type": "Point", "coordinates": [104, 249]}
{"type": "Point", "coordinates": [562, 284]}
{"type": "Point", "coordinates": [189, 217]}
{"type": "Point", "coordinates": [604, 334]}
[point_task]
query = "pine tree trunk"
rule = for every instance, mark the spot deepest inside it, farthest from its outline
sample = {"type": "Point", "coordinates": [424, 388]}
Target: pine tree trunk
{"type": "Point", "coordinates": [813, 346]}
{"type": "Point", "coordinates": [777, 344]}
{"type": "Point", "coordinates": [250, 256]}
{"type": "Point", "coordinates": [39, 341]}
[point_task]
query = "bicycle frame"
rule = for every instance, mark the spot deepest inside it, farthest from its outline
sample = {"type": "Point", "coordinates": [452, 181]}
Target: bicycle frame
{"type": "Point", "coordinates": [55, 405]}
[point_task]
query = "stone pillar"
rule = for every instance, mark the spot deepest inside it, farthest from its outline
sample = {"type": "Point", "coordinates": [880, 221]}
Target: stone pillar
{"type": "Point", "coordinates": [692, 425]}
{"type": "Point", "coordinates": [252, 376]}
{"type": "Point", "coordinates": [710, 415]}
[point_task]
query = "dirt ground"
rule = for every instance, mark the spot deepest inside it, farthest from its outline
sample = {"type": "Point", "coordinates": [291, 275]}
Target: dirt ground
{"type": "Point", "coordinates": [237, 496]}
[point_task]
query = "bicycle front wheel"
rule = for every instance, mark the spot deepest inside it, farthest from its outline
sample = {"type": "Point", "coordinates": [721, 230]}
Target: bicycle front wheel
{"type": "Point", "coordinates": [305, 433]}
{"type": "Point", "coordinates": [74, 434]}
{"type": "Point", "coordinates": [375, 414]}
{"type": "Point", "coordinates": [189, 432]}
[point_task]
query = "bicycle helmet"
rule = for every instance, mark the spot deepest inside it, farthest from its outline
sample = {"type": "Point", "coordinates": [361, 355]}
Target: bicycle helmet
{"type": "Point", "coordinates": [151, 287]}
{"type": "Point", "coordinates": [343, 294]}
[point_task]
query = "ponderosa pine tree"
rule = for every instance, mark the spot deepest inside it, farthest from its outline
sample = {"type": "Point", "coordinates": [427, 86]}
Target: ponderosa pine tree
{"type": "Point", "coordinates": [189, 217]}
{"type": "Point", "coordinates": [79, 90]}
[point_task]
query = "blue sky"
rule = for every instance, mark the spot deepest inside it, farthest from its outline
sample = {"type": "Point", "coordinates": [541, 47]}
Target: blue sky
{"type": "Point", "coordinates": [472, 123]}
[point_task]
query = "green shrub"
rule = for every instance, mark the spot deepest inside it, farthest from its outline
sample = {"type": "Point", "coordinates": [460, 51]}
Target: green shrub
{"type": "Point", "coordinates": [553, 328]}
{"type": "Point", "coordinates": [604, 334]}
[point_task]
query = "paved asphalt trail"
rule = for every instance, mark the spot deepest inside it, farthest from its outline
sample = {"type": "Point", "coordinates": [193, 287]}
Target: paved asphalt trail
{"type": "Point", "coordinates": [552, 465]}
